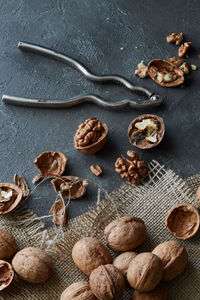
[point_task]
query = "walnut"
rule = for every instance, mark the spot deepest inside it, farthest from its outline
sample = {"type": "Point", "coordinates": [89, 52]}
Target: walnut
{"type": "Point", "coordinates": [174, 257]}
{"type": "Point", "coordinates": [89, 253]}
{"type": "Point", "coordinates": [21, 183]}
{"type": "Point", "coordinates": [175, 38]}
{"type": "Point", "coordinates": [96, 170]}
{"type": "Point", "coordinates": [183, 65]}
{"type": "Point", "coordinates": [8, 245]}
{"type": "Point", "coordinates": [193, 67]}
{"type": "Point", "coordinates": [32, 265]}
{"type": "Point", "coordinates": [145, 272]}
{"type": "Point", "coordinates": [146, 131]}
{"type": "Point", "coordinates": [125, 233]}
{"type": "Point", "coordinates": [90, 136]}
{"type": "Point", "coordinates": [197, 196]}
{"type": "Point", "coordinates": [10, 197]}
{"type": "Point", "coordinates": [59, 212]}
{"type": "Point", "coordinates": [132, 168]}
{"type": "Point", "coordinates": [123, 260]}
{"type": "Point", "coordinates": [183, 220]}
{"type": "Point", "coordinates": [71, 186]}
{"type": "Point", "coordinates": [78, 291]}
{"type": "Point", "coordinates": [183, 49]}
{"type": "Point", "coordinates": [6, 274]}
{"type": "Point", "coordinates": [107, 282]}
{"type": "Point", "coordinates": [165, 73]}
{"type": "Point", "coordinates": [159, 293]}
{"type": "Point", "coordinates": [142, 70]}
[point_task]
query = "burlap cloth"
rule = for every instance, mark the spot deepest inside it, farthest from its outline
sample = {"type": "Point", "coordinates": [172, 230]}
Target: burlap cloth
{"type": "Point", "coordinates": [150, 201]}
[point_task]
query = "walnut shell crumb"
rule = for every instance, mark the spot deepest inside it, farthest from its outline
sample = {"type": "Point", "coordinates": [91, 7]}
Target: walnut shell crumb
{"type": "Point", "coordinates": [96, 170]}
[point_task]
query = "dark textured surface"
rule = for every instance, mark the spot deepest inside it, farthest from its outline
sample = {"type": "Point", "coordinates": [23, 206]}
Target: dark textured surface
{"type": "Point", "coordinates": [93, 32]}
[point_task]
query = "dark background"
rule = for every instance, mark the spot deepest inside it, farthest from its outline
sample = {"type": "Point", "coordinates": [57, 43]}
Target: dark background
{"type": "Point", "coordinates": [93, 32]}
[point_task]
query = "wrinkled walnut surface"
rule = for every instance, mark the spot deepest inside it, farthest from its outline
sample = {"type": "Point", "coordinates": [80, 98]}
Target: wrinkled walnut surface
{"type": "Point", "coordinates": [13, 201]}
{"type": "Point", "coordinates": [89, 253]}
{"type": "Point", "coordinates": [59, 212]}
{"type": "Point", "coordinates": [159, 293]}
{"type": "Point", "coordinates": [174, 258]}
{"type": "Point", "coordinates": [175, 38]}
{"type": "Point", "coordinates": [78, 291]}
{"type": "Point", "coordinates": [6, 274]}
{"type": "Point", "coordinates": [137, 138]}
{"type": "Point", "coordinates": [182, 221]}
{"type": "Point", "coordinates": [33, 265]}
{"type": "Point", "coordinates": [145, 272]}
{"type": "Point", "coordinates": [107, 282]}
{"type": "Point", "coordinates": [8, 245]}
{"type": "Point", "coordinates": [183, 49]}
{"type": "Point", "coordinates": [21, 183]}
{"type": "Point", "coordinates": [125, 233]}
{"type": "Point", "coordinates": [123, 260]}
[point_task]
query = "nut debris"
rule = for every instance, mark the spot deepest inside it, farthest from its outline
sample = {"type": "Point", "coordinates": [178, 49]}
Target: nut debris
{"type": "Point", "coordinates": [175, 38]}
{"type": "Point", "coordinates": [6, 274]}
{"type": "Point", "coordinates": [21, 183]}
{"type": "Point", "coordinates": [142, 70]}
{"type": "Point", "coordinates": [59, 212]}
{"type": "Point", "coordinates": [183, 49]}
{"type": "Point", "coordinates": [193, 67]}
{"type": "Point", "coordinates": [96, 170]}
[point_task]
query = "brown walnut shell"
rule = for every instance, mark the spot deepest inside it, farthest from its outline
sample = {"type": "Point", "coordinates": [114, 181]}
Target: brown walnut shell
{"type": "Point", "coordinates": [125, 234]}
{"type": "Point", "coordinates": [89, 253]}
{"type": "Point", "coordinates": [71, 186]}
{"type": "Point", "coordinates": [122, 261]}
{"type": "Point", "coordinates": [59, 212]}
{"type": "Point", "coordinates": [197, 196]}
{"type": "Point", "coordinates": [21, 183]}
{"type": "Point", "coordinates": [161, 66]}
{"type": "Point", "coordinates": [78, 291]}
{"type": "Point", "coordinates": [51, 163]}
{"type": "Point", "coordinates": [8, 245]}
{"type": "Point", "coordinates": [182, 221]}
{"type": "Point", "coordinates": [159, 293]}
{"type": "Point", "coordinates": [107, 282]}
{"type": "Point", "coordinates": [174, 257]}
{"type": "Point", "coordinates": [15, 199]}
{"type": "Point", "coordinates": [145, 272]}
{"type": "Point", "coordinates": [33, 265]}
{"type": "Point", "coordinates": [140, 141]}
{"type": "Point", "coordinates": [6, 274]}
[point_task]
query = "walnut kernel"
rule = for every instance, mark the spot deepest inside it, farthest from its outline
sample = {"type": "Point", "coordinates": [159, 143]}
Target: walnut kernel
{"type": "Point", "coordinates": [8, 245]}
{"type": "Point", "coordinates": [10, 197]}
{"type": "Point", "coordinates": [183, 49]}
{"type": "Point", "coordinates": [142, 70]}
{"type": "Point", "coordinates": [96, 170]}
{"type": "Point", "coordinates": [175, 38]}
{"type": "Point", "coordinates": [78, 291]}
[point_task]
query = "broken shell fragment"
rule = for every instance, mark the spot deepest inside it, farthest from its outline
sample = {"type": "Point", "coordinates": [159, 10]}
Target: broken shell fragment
{"type": "Point", "coordinates": [165, 73]}
{"type": "Point", "coordinates": [146, 131]}
{"type": "Point", "coordinates": [183, 220]}
{"type": "Point", "coordinates": [70, 186]}
{"type": "Point", "coordinates": [6, 274]}
{"type": "Point", "coordinates": [10, 197]}
{"type": "Point", "coordinates": [21, 183]}
{"type": "Point", "coordinates": [59, 212]}
{"type": "Point", "coordinates": [96, 170]}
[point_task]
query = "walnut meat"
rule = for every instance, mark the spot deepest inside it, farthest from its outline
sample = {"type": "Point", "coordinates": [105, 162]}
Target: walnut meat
{"type": "Point", "coordinates": [159, 293]}
{"type": "Point", "coordinates": [107, 282]}
{"type": "Point", "coordinates": [8, 245]}
{"type": "Point", "coordinates": [174, 257]}
{"type": "Point", "coordinates": [6, 274]}
{"type": "Point", "coordinates": [89, 253]}
{"type": "Point", "coordinates": [96, 170]}
{"type": "Point", "coordinates": [122, 261]}
{"type": "Point", "coordinates": [78, 291]}
{"type": "Point", "coordinates": [183, 49]}
{"type": "Point", "coordinates": [145, 272]}
{"type": "Point", "coordinates": [175, 38]}
{"type": "Point", "coordinates": [183, 65]}
{"type": "Point", "coordinates": [90, 136]}
{"type": "Point", "coordinates": [10, 197]}
{"type": "Point", "coordinates": [33, 265]}
{"type": "Point", "coordinates": [133, 168]}
{"type": "Point", "coordinates": [125, 233]}
{"type": "Point", "coordinates": [142, 70]}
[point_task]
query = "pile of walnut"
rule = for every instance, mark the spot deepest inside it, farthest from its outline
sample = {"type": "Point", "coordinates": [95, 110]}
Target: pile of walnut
{"type": "Point", "coordinates": [147, 272]}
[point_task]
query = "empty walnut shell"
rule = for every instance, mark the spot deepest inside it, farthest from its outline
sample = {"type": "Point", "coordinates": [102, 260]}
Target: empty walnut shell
{"type": "Point", "coordinates": [8, 245]}
{"type": "Point", "coordinates": [125, 233]}
{"type": "Point", "coordinates": [159, 293]}
{"type": "Point", "coordinates": [137, 138]}
{"type": "Point", "coordinates": [182, 221]}
{"type": "Point", "coordinates": [89, 253]}
{"type": "Point", "coordinates": [163, 66]}
{"type": "Point", "coordinates": [107, 282]}
{"type": "Point", "coordinates": [9, 204]}
{"type": "Point", "coordinates": [123, 260]}
{"type": "Point", "coordinates": [33, 265]}
{"type": "Point", "coordinates": [51, 163]}
{"type": "Point", "coordinates": [6, 274]}
{"type": "Point", "coordinates": [174, 258]}
{"type": "Point", "coordinates": [78, 291]}
{"type": "Point", "coordinates": [71, 186]}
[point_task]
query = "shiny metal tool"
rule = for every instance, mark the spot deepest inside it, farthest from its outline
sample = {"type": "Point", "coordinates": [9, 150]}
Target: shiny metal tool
{"type": "Point", "coordinates": [152, 99]}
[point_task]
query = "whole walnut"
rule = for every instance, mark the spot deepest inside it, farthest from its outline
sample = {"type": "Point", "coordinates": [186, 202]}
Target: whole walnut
{"type": "Point", "coordinates": [8, 245]}
{"type": "Point", "coordinates": [125, 233]}
{"type": "Point", "coordinates": [159, 293]}
{"type": "Point", "coordinates": [174, 257]}
{"type": "Point", "coordinates": [122, 261]}
{"type": "Point", "coordinates": [33, 265]}
{"type": "Point", "coordinates": [107, 282]}
{"type": "Point", "coordinates": [145, 272]}
{"type": "Point", "coordinates": [89, 253]}
{"type": "Point", "coordinates": [78, 291]}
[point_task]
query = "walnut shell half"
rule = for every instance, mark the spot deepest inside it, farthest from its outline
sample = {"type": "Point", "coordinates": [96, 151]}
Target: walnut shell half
{"type": "Point", "coordinates": [164, 73]}
{"type": "Point", "coordinates": [10, 197]}
{"type": "Point", "coordinates": [8, 245]}
{"type": "Point", "coordinates": [78, 291]}
{"type": "Point", "coordinates": [6, 274]}
{"type": "Point", "coordinates": [139, 137]}
{"type": "Point", "coordinates": [159, 293]}
{"type": "Point", "coordinates": [33, 265]}
{"type": "Point", "coordinates": [183, 221]}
